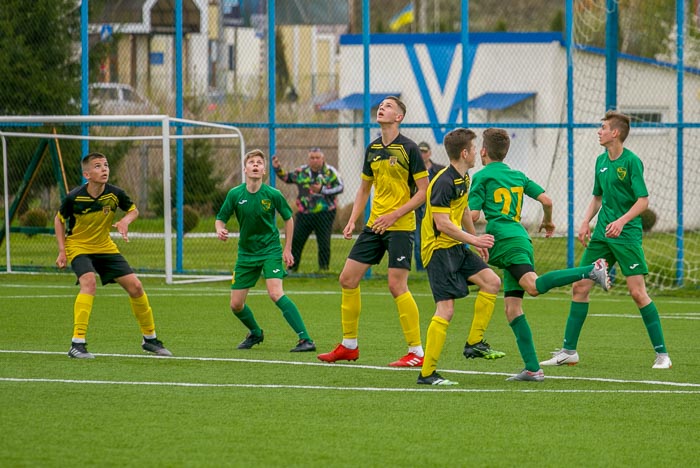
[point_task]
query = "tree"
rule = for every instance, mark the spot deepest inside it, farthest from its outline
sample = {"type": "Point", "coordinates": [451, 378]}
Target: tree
{"type": "Point", "coordinates": [38, 69]}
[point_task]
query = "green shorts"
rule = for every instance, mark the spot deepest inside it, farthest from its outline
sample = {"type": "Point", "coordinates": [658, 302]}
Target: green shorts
{"type": "Point", "coordinates": [511, 251]}
{"type": "Point", "coordinates": [630, 257]}
{"type": "Point", "coordinates": [247, 272]}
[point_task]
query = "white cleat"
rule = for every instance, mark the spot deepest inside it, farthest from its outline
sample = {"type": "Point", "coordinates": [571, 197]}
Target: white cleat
{"type": "Point", "coordinates": [662, 362]}
{"type": "Point", "coordinates": [599, 274]}
{"type": "Point", "coordinates": [561, 357]}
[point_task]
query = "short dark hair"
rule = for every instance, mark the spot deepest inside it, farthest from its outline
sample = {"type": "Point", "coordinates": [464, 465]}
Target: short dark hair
{"type": "Point", "coordinates": [458, 140]}
{"type": "Point", "coordinates": [85, 162]}
{"type": "Point", "coordinates": [398, 102]}
{"type": "Point", "coordinates": [618, 121]}
{"type": "Point", "coordinates": [496, 143]}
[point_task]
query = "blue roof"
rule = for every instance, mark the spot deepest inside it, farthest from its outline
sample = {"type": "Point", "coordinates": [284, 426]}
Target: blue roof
{"type": "Point", "coordinates": [356, 101]}
{"type": "Point", "coordinates": [498, 101]}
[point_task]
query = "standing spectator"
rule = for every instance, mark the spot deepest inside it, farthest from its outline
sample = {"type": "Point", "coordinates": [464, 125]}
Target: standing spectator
{"type": "Point", "coordinates": [393, 166]}
{"type": "Point", "coordinates": [254, 205]}
{"type": "Point", "coordinates": [433, 168]}
{"type": "Point", "coordinates": [318, 183]}
{"type": "Point", "coordinates": [82, 231]}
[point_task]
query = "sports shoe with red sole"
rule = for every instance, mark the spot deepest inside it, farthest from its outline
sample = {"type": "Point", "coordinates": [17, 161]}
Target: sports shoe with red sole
{"type": "Point", "coordinates": [340, 353]}
{"type": "Point", "coordinates": [409, 360]}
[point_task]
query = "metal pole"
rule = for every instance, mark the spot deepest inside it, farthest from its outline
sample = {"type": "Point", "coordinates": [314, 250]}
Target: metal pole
{"type": "Point", "coordinates": [680, 185]}
{"type": "Point", "coordinates": [570, 131]}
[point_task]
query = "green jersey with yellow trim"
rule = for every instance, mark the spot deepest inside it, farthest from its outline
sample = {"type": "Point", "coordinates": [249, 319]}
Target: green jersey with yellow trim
{"type": "Point", "coordinates": [393, 170]}
{"type": "Point", "coordinates": [499, 192]}
{"type": "Point", "coordinates": [620, 183]}
{"type": "Point", "coordinates": [89, 220]}
{"type": "Point", "coordinates": [448, 193]}
{"type": "Point", "coordinates": [255, 212]}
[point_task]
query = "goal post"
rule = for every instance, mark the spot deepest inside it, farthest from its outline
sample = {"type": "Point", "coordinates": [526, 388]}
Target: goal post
{"type": "Point", "coordinates": [23, 127]}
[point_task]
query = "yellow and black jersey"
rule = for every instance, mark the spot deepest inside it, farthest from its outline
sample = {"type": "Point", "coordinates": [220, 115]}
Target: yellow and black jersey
{"type": "Point", "coordinates": [448, 193]}
{"type": "Point", "coordinates": [393, 170]}
{"type": "Point", "coordinates": [89, 220]}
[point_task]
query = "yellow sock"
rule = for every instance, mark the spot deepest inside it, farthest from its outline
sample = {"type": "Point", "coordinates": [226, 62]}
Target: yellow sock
{"type": "Point", "coordinates": [483, 310]}
{"type": "Point", "coordinates": [350, 306]}
{"type": "Point", "coordinates": [409, 318]}
{"type": "Point", "coordinates": [81, 315]}
{"type": "Point", "coordinates": [144, 315]}
{"type": "Point", "coordinates": [435, 341]}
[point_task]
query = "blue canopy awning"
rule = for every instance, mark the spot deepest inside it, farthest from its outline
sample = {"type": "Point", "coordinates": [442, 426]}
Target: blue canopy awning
{"type": "Point", "coordinates": [498, 101]}
{"type": "Point", "coordinates": [355, 101]}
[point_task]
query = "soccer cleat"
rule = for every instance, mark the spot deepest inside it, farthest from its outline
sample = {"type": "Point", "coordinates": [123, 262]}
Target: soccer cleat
{"type": "Point", "coordinates": [434, 379]}
{"type": "Point", "coordinates": [79, 351]}
{"type": "Point", "coordinates": [599, 274]}
{"type": "Point", "coordinates": [561, 357]}
{"type": "Point", "coordinates": [303, 346]}
{"type": "Point", "coordinates": [251, 340]}
{"type": "Point", "coordinates": [155, 346]}
{"type": "Point", "coordinates": [662, 362]}
{"type": "Point", "coordinates": [528, 376]}
{"type": "Point", "coordinates": [409, 360]}
{"type": "Point", "coordinates": [481, 350]}
{"type": "Point", "coordinates": [340, 353]}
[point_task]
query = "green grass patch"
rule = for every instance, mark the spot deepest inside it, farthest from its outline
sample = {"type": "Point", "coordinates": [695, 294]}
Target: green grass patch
{"type": "Point", "coordinates": [213, 405]}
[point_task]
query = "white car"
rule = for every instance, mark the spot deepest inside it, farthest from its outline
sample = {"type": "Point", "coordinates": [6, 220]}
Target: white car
{"type": "Point", "coordinates": [118, 98]}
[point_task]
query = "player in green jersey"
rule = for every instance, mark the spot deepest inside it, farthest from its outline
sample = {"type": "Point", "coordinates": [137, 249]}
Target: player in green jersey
{"type": "Point", "coordinates": [83, 225]}
{"type": "Point", "coordinates": [259, 251]}
{"type": "Point", "coordinates": [619, 197]}
{"type": "Point", "coordinates": [499, 192]}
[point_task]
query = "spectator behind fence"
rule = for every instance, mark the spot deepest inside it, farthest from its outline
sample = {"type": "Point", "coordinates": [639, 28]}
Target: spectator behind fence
{"type": "Point", "coordinates": [433, 168]}
{"type": "Point", "coordinates": [318, 183]}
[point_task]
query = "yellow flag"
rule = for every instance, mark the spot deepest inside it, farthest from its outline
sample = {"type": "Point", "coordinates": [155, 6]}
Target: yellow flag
{"type": "Point", "coordinates": [402, 18]}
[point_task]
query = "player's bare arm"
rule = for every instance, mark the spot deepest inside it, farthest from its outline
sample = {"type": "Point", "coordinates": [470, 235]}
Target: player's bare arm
{"type": "Point", "coordinates": [358, 207]}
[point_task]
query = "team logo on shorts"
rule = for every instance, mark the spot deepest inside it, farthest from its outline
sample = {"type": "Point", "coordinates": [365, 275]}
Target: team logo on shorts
{"type": "Point", "coordinates": [621, 173]}
{"type": "Point", "coordinates": [266, 204]}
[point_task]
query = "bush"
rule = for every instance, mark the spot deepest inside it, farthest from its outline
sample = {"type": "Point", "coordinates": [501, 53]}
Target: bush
{"type": "Point", "coordinates": [36, 217]}
{"type": "Point", "coordinates": [648, 220]}
{"type": "Point", "coordinates": [190, 219]}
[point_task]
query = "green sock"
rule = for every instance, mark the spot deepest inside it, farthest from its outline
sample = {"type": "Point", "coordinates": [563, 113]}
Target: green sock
{"type": "Point", "coordinates": [246, 316]}
{"type": "Point", "coordinates": [293, 317]}
{"type": "Point", "coordinates": [574, 324]}
{"type": "Point", "coordinates": [523, 337]}
{"type": "Point", "coordinates": [556, 278]}
{"type": "Point", "coordinates": [651, 319]}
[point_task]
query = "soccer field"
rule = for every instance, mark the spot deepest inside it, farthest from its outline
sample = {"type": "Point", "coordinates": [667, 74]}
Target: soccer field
{"type": "Point", "coordinates": [214, 405]}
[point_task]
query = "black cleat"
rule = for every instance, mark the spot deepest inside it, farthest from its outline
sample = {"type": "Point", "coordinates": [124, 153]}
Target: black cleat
{"type": "Point", "coordinates": [155, 346]}
{"type": "Point", "coordinates": [251, 340]}
{"type": "Point", "coordinates": [481, 350]}
{"type": "Point", "coordinates": [434, 379]}
{"type": "Point", "coordinates": [79, 351]}
{"type": "Point", "coordinates": [303, 346]}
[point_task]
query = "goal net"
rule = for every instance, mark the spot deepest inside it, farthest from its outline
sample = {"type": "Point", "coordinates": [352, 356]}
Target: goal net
{"type": "Point", "coordinates": [176, 171]}
{"type": "Point", "coordinates": [647, 90]}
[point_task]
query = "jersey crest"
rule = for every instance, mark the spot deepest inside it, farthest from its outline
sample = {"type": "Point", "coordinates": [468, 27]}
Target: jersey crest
{"type": "Point", "coordinates": [621, 173]}
{"type": "Point", "coordinates": [266, 204]}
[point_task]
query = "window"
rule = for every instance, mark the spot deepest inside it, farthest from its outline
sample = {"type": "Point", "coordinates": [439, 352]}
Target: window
{"type": "Point", "coordinates": [643, 120]}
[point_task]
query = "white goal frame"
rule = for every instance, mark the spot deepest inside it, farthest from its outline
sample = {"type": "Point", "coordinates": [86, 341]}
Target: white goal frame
{"type": "Point", "coordinates": [165, 137]}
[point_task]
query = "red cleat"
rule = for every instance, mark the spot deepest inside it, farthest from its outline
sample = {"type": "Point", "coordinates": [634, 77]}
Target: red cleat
{"type": "Point", "coordinates": [409, 360]}
{"type": "Point", "coordinates": [341, 353]}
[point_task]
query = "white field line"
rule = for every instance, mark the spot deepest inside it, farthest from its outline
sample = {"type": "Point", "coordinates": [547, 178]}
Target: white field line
{"type": "Point", "coordinates": [350, 366]}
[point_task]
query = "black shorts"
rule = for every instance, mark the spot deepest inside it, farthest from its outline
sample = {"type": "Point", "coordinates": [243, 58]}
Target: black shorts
{"type": "Point", "coordinates": [108, 266]}
{"type": "Point", "coordinates": [370, 247]}
{"type": "Point", "coordinates": [449, 270]}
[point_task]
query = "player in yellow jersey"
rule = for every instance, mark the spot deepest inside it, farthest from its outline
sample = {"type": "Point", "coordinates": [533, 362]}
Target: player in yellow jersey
{"type": "Point", "coordinates": [446, 228]}
{"type": "Point", "coordinates": [83, 225]}
{"type": "Point", "coordinates": [394, 167]}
